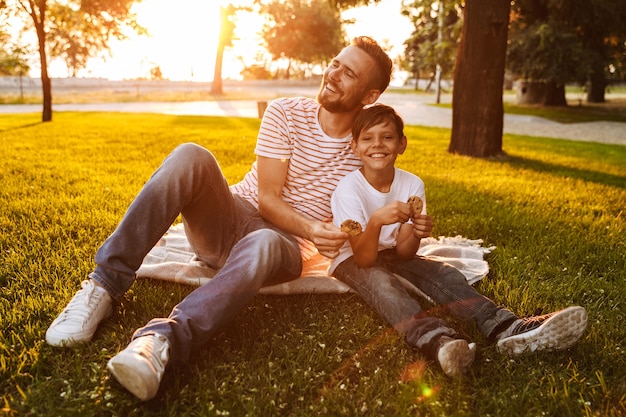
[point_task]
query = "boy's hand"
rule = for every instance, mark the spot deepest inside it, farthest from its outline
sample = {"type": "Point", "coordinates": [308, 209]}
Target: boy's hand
{"type": "Point", "coordinates": [394, 212]}
{"type": "Point", "coordinates": [422, 226]}
{"type": "Point", "coordinates": [327, 238]}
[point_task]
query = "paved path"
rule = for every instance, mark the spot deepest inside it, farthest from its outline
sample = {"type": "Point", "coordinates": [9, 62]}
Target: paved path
{"type": "Point", "coordinates": [415, 109]}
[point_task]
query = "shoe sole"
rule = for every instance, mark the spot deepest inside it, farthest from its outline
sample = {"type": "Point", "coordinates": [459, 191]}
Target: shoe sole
{"type": "Point", "coordinates": [557, 333]}
{"type": "Point", "coordinates": [457, 357]}
{"type": "Point", "coordinates": [129, 378]}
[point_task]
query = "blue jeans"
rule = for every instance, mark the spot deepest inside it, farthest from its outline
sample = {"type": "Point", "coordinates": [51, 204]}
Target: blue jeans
{"type": "Point", "coordinates": [441, 282]}
{"type": "Point", "coordinates": [225, 231]}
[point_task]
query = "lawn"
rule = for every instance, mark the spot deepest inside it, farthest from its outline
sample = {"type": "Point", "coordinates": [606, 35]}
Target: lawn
{"type": "Point", "coordinates": [553, 208]}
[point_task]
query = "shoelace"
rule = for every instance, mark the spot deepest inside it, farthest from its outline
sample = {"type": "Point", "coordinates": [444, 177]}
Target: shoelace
{"type": "Point", "coordinates": [531, 322]}
{"type": "Point", "coordinates": [154, 350]}
{"type": "Point", "coordinates": [76, 310]}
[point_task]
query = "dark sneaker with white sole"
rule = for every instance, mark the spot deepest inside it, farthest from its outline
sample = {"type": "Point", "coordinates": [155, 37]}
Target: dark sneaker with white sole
{"type": "Point", "coordinates": [555, 331]}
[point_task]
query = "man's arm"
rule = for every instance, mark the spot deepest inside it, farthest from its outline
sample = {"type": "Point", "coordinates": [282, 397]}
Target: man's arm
{"type": "Point", "coordinates": [272, 175]}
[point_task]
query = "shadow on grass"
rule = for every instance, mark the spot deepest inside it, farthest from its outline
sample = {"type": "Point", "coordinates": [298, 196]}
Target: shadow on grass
{"type": "Point", "coordinates": [567, 172]}
{"type": "Point", "coordinates": [26, 126]}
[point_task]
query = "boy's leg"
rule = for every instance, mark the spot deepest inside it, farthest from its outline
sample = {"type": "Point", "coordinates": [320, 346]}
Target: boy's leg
{"type": "Point", "coordinates": [383, 291]}
{"type": "Point", "coordinates": [447, 287]}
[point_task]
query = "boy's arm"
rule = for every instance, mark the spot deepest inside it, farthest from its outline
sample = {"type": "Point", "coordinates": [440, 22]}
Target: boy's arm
{"type": "Point", "coordinates": [365, 246]}
{"type": "Point", "coordinates": [410, 235]}
{"type": "Point", "coordinates": [272, 174]}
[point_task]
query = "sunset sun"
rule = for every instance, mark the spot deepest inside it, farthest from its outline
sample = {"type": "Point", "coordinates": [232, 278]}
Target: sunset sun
{"type": "Point", "coordinates": [182, 40]}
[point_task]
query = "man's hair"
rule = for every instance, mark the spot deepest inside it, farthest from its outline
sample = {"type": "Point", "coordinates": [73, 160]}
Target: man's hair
{"type": "Point", "coordinates": [374, 115]}
{"type": "Point", "coordinates": [384, 66]}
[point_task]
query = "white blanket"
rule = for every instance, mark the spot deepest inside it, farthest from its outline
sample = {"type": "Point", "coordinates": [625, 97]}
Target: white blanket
{"type": "Point", "coordinates": [173, 259]}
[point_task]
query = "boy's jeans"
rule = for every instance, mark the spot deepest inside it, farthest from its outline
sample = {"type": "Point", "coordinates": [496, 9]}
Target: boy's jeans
{"type": "Point", "coordinates": [443, 283]}
{"type": "Point", "coordinates": [225, 231]}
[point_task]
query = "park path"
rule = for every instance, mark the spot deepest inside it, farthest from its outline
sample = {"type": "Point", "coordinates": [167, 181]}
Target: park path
{"type": "Point", "coordinates": [415, 110]}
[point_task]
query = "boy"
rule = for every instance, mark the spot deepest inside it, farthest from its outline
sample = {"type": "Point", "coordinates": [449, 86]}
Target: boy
{"type": "Point", "coordinates": [376, 196]}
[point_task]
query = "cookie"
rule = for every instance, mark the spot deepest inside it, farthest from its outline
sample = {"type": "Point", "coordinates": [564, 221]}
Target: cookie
{"type": "Point", "coordinates": [351, 227]}
{"type": "Point", "coordinates": [416, 206]}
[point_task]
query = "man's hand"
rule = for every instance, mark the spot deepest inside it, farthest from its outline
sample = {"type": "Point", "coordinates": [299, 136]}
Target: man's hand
{"type": "Point", "coordinates": [422, 226]}
{"type": "Point", "coordinates": [327, 238]}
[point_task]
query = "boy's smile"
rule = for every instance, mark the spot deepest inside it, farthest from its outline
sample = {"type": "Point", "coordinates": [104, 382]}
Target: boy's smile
{"type": "Point", "coordinates": [379, 146]}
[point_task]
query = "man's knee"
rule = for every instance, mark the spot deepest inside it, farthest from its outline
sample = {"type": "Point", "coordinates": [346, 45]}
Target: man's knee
{"type": "Point", "coordinates": [192, 153]}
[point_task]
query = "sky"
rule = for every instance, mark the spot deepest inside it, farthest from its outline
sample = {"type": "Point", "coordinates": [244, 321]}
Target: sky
{"type": "Point", "coordinates": [183, 37]}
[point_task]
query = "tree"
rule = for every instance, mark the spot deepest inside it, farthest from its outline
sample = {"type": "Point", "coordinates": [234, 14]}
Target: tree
{"type": "Point", "coordinates": [77, 33]}
{"type": "Point", "coordinates": [477, 111]}
{"type": "Point", "coordinates": [434, 41]}
{"type": "Point", "coordinates": [603, 34]}
{"type": "Point", "coordinates": [13, 60]}
{"type": "Point", "coordinates": [556, 42]}
{"type": "Point", "coordinates": [105, 16]}
{"type": "Point", "coordinates": [544, 51]}
{"type": "Point", "coordinates": [225, 39]}
{"type": "Point", "coordinates": [305, 31]}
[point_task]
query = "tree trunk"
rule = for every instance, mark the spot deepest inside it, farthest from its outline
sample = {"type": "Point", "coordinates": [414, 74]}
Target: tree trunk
{"type": "Point", "coordinates": [596, 84]}
{"type": "Point", "coordinates": [46, 85]}
{"type": "Point", "coordinates": [477, 111]}
{"type": "Point", "coordinates": [543, 93]}
{"type": "Point", "coordinates": [216, 85]}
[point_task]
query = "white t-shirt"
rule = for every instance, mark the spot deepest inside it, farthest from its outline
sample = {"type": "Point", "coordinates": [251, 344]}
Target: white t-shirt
{"type": "Point", "coordinates": [356, 199]}
{"type": "Point", "coordinates": [291, 131]}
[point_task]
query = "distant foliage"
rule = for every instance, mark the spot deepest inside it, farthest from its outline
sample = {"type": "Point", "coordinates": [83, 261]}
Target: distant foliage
{"type": "Point", "coordinates": [302, 31]}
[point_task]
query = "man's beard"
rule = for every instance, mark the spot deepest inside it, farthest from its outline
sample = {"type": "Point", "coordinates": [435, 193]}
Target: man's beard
{"type": "Point", "coordinates": [337, 105]}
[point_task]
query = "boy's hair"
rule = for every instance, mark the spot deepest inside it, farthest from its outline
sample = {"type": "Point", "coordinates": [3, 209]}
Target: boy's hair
{"type": "Point", "coordinates": [384, 65]}
{"type": "Point", "coordinates": [374, 115]}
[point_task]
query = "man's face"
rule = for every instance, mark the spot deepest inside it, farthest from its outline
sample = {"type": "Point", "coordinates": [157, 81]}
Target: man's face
{"type": "Point", "coordinates": [346, 81]}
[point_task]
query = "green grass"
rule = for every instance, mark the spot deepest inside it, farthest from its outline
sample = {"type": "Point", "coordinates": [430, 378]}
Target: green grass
{"type": "Point", "coordinates": [554, 209]}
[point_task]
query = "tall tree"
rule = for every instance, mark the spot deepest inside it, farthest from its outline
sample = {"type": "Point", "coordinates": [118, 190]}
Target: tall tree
{"type": "Point", "coordinates": [544, 51]}
{"type": "Point", "coordinates": [106, 17]}
{"type": "Point", "coordinates": [477, 111]}
{"type": "Point", "coordinates": [436, 36]}
{"type": "Point", "coordinates": [603, 34]}
{"type": "Point", "coordinates": [225, 39]}
{"type": "Point", "coordinates": [78, 32]}
{"type": "Point", "coordinates": [555, 42]}
{"type": "Point", "coordinates": [305, 31]}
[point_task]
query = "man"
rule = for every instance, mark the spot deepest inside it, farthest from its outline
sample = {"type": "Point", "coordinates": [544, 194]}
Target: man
{"type": "Point", "coordinates": [256, 233]}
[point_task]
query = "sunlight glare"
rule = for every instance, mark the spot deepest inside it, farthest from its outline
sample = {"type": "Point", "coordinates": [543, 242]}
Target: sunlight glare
{"type": "Point", "coordinates": [183, 39]}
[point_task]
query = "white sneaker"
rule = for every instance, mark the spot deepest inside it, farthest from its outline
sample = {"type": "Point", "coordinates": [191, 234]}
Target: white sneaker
{"type": "Point", "coordinates": [139, 368]}
{"type": "Point", "coordinates": [78, 322]}
{"type": "Point", "coordinates": [455, 356]}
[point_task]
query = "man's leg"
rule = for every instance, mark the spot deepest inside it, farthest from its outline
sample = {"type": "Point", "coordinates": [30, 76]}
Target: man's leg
{"type": "Point", "coordinates": [189, 181]}
{"type": "Point", "coordinates": [262, 257]}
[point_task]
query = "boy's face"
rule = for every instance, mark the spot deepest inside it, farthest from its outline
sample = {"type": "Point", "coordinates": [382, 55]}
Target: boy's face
{"type": "Point", "coordinates": [379, 145]}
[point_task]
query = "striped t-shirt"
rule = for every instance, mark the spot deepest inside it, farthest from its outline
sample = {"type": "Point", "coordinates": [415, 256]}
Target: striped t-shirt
{"type": "Point", "coordinates": [291, 131]}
